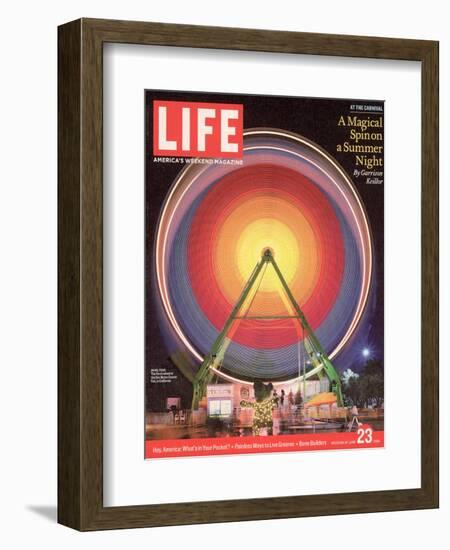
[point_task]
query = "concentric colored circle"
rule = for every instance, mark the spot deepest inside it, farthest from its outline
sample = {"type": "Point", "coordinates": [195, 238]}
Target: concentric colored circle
{"type": "Point", "coordinates": [280, 209]}
{"type": "Point", "coordinates": [288, 196]}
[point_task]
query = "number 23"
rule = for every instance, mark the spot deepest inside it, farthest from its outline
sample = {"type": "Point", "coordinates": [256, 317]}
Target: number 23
{"type": "Point", "coordinates": [364, 435]}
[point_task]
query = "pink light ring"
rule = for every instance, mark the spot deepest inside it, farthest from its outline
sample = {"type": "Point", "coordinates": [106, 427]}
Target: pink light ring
{"type": "Point", "coordinates": [204, 175]}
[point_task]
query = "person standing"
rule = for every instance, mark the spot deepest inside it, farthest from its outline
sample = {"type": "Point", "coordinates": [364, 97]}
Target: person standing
{"type": "Point", "coordinates": [276, 397]}
{"type": "Point", "coordinates": [354, 415]}
{"type": "Point", "coordinates": [291, 398]}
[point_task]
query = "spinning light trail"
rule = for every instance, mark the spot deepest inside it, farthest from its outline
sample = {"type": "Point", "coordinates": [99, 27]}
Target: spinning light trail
{"type": "Point", "coordinates": [290, 197]}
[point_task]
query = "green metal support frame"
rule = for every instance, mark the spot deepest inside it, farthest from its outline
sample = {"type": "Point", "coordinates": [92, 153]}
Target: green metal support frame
{"type": "Point", "coordinates": [317, 356]}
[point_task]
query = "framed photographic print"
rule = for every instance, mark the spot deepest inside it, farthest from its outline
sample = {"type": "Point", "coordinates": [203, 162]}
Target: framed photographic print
{"type": "Point", "coordinates": [248, 274]}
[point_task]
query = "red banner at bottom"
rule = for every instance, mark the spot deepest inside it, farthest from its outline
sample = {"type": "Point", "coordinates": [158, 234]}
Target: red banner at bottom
{"type": "Point", "coordinates": [364, 438]}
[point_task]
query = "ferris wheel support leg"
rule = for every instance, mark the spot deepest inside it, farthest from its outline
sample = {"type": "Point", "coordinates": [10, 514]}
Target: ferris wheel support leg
{"type": "Point", "coordinates": [328, 367]}
{"type": "Point", "coordinates": [204, 374]}
{"type": "Point", "coordinates": [201, 380]}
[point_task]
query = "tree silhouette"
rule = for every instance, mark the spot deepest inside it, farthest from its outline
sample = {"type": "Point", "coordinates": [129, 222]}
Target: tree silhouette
{"type": "Point", "coordinates": [368, 387]}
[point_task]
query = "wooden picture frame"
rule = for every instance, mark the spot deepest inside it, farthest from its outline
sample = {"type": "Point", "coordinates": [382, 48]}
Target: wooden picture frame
{"type": "Point", "coordinates": [80, 271]}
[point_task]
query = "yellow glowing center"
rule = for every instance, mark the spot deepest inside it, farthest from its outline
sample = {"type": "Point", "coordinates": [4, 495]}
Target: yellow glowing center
{"type": "Point", "coordinates": [254, 226]}
{"type": "Point", "coordinates": [275, 235]}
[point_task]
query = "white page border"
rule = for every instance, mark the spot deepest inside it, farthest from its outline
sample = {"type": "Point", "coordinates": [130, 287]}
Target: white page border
{"type": "Point", "coordinates": [128, 478]}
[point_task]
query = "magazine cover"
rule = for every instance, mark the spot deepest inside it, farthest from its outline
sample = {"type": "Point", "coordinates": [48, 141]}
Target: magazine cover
{"type": "Point", "coordinates": [264, 298]}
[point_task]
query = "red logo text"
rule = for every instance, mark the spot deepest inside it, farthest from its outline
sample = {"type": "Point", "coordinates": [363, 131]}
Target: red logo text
{"type": "Point", "coordinates": [191, 129]}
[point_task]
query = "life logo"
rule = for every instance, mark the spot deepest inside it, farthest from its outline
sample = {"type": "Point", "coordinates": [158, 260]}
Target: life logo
{"type": "Point", "coordinates": [193, 129]}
